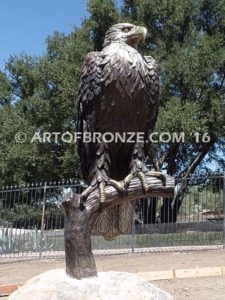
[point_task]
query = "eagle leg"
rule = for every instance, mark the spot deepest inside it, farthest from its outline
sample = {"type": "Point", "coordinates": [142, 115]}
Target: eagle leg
{"type": "Point", "coordinates": [87, 192]}
{"type": "Point", "coordinates": [139, 169]}
{"type": "Point", "coordinates": [142, 176]}
{"type": "Point", "coordinates": [100, 184]}
{"type": "Point", "coordinates": [117, 185]}
{"type": "Point", "coordinates": [99, 175]}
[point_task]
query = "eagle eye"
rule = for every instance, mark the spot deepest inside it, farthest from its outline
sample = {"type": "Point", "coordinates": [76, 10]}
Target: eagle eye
{"type": "Point", "coordinates": [126, 30]}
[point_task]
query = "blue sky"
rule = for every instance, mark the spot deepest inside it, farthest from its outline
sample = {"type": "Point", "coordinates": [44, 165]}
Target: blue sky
{"type": "Point", "coordinates": [24, 24]}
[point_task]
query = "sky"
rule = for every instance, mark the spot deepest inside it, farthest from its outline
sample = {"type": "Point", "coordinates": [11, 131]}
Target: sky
{"type": "Point", "coordinates": [25, 24]}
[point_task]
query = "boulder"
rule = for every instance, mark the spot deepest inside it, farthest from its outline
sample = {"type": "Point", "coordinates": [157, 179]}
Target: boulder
{"type": "Point", "coordinates": [56, 285]}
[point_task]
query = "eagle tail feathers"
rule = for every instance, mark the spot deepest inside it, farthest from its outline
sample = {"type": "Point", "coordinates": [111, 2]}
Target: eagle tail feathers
{"type": "Point", "coordinates": [114, 221]}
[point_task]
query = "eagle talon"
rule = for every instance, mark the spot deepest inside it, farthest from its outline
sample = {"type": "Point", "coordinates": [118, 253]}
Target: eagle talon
{"type": "Point", "coordinates": [81, 203]}
{"type": "Point", "coordinates": [125, 191]}
{"type": "Point", "coordinates": [126, 186]}
{"type": "Point", "coordinates": [127, 181]}
{"type": "Point", "coordinates": [142, 176]}
{"type": "Point", "coordinates": [117, 185]}
{"type": "Point", "coordinates": [102, 206]}
{"type": "Point", "coordinates": [101, 185]}
{"type": "Point", "coordinates": [84, 195]}
{"type": "Point", "coordinates": [111, 182]}
{"type": "Point", "coordinates": [158, 175]}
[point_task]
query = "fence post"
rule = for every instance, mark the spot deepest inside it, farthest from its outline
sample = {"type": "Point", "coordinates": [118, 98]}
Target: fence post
{"type": "Point", "coordinates": [224, 210]}
{"type": "Point", "coordinates": [133, 230]}
{"type": "Point", "coordinates": [43, 220]}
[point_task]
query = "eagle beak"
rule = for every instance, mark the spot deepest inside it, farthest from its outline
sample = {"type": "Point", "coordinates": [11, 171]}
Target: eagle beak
{"type": "Point", "coordinates": [138, 34]}
{"type": "Point", "coordinates": [141, 32]}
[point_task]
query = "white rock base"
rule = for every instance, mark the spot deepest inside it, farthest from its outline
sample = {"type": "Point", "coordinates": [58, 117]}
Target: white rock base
{"type": "Point", "coordinates": [56, 285]}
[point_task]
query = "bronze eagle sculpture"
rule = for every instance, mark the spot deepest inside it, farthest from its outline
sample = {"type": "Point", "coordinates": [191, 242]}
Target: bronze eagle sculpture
{"type": "Point", "coordinates": [118, 92]}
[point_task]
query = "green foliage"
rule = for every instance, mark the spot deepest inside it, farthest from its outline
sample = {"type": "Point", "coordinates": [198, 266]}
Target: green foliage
{"type": "Point", "coordinates": [5, 89]}
{"type": "Point", "coordinates": [27, 216]}
{"type": "Point", "coordinates": [7, 242]}
{"type": "Point", "coordinates": [199, 199]}
{"type": "Point", "coordinates": [22, 216]}
{"type": "Point", "coordinates": [103, 14]}
{"type": "Point", "coordinates": [187, 39]}
{"type": "Point", "coordinates": [45, 91]}
{"type": "Point", "coordinates": [39, 94]}
{"type": "Point", "coordinates": [186, 117]}
{"type": "Point", "coordinates": [19, 159]}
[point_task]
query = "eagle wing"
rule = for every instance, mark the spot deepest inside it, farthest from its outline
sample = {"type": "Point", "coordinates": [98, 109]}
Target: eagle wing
{"type": "Point", "coordinates": [152, 84]}
{"type": "Point", "coordinates": [89, 95]}
{"type": "Point", "coordinates": [99, 71]}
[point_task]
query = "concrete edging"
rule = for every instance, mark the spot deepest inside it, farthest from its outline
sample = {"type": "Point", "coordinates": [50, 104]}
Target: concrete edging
{"type": "Point", "coordinates": [6, 290]}
{"type": "Point", "coordinates": [183, 273]}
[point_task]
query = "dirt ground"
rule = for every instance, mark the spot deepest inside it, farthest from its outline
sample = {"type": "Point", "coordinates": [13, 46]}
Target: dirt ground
{"type": "Point", "coordinates": [206, 288]}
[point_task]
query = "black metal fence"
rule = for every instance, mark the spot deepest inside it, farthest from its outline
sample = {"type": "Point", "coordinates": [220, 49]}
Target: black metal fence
{"type": "Point", "coordinates": [31, 218]}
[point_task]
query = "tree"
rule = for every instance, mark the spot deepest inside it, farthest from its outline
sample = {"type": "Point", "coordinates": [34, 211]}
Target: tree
{"type": "Point", "coordinates": [103, 14]}
{"type": "Point", "coordinates": [43, 99]}
{"type": "Point", "coordinates": [187, 40]}
{"type": "Point", "coordinates": [5, 89]}
{"type": "Point", "coordinates": [17, 160]}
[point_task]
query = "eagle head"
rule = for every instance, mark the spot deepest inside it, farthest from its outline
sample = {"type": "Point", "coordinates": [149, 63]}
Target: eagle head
{"type": "Point", "coordinates": [125, 33]}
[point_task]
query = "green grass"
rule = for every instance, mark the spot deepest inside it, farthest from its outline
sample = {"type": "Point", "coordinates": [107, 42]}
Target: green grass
{"type": "Point", "coordinates": [146, 240]}
{"type": "Point", "coordinates": [56, 243]}
{"type": "Point", "coordinates": [195, 201]}
{"type": "Point", "coordinates": [192, 207]}
{"type": "Point", "coordinates": [179, 239]}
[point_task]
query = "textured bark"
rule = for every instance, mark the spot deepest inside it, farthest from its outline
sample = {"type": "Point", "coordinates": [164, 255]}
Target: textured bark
{"type": "Point", "coordinates": [152, 210]}
{"type": "Point", "coordinates": [170, 212]}
{"type": "Point", "coordinates": [187, 173]}
{"type": "Point", "coordinates": [79, 257]}
{"type": "Point", "coordinates": [135, 191]}
{"type": "Point", "coordinates": [80, 261]}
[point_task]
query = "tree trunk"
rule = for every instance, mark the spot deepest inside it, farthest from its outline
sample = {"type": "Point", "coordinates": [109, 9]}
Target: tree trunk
{"type": "Point", "coordinates": [152, 210]}
{"type": "Point", "coordinates": [169, 213]}
{"type": "Point", "coordinates": [144, 206]}
{"type": "Point", "coordinates": [78, 217]}
{"type": "Point", "coordinates": [179, 199]}
{"type": "Point", "coordinates": [166, 211]}
{"type": "Point", "coordinates": [148, 206]}
{"type": "Point", "coordinates": [80, 261]}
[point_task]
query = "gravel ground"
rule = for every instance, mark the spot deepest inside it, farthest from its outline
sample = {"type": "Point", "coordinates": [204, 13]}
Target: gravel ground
{"type": "Point", "coordinates": [192, 288]}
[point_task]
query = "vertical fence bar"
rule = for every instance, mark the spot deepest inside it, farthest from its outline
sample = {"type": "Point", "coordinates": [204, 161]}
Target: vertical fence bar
{"type": "Point", "coordinates": [224, 210]}
{"type": "Point", "coordinates": [43, 220]}
{"type": "Point", "coordinates": [201, 191]}
{"type": "Point", "coordinates": [133, 230]}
